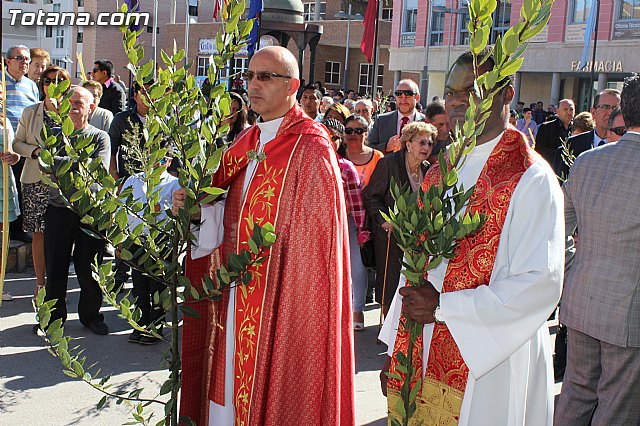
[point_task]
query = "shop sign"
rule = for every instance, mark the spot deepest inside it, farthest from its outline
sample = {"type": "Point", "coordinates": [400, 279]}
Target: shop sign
{"type": "Point", "coordinates": [597, 66]}
{"type": "Point", "coordinates": [207, 46]}
{"type": "Point", "coordinates": [574, 32]}
{"type": "Point", "coordinates": [626, 29]}
{"type": "Point", "coordinates": [408, 40]}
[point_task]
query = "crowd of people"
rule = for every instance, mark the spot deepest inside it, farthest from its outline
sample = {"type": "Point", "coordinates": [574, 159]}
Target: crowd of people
{"type": "Point", "coordinates": [330, 159]}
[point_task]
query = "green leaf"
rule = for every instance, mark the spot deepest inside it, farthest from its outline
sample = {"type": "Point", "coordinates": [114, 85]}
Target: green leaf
{"type": "Point", "coordinates": [67, 126]}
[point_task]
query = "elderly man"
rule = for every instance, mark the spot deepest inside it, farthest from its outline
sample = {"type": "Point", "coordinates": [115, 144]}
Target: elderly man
{"type": "Point", "coordinates": [385, 134]}
{"type": "Point", "coordinates": [601, 297]}
{"type": "Point", "coordinates": [485, 344]}
{"type": "Point", "coordinates": [364, 108]}
{"type": "Point", "coordinates": [252, 374]}
{"type": "Point", "coordinates": [100, 118]}
{"type": "Point", "coordinates": [604, 102]}
{"type": "Point", "coordinates": [21, 92]}
{"type": "Point", "coordinates": [551, 133]}
{"type": "Point", "coordinates": [63, 234]}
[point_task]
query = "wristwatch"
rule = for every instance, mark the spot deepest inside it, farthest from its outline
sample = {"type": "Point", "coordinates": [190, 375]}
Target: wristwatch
{"type": "Point", "coordinates": [438, 315]}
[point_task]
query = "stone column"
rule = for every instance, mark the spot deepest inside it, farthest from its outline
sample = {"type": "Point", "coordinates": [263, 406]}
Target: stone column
{"type": "Point", "coordinates": [397, 76]}
{"type": "Point", "coordinates": [555, 89]}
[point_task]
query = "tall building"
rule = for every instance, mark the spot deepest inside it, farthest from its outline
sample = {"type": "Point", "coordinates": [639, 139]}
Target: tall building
{"type": "Point", "coordinates": [427, 36]}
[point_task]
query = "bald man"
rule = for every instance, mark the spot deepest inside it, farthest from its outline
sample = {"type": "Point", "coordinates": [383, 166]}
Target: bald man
{"type": "Point", "coordinates": [63, 230]}
{"type": "Point", "coordinates": [286, 335]}
{"type": "Point", "coordinates": [553, 132]}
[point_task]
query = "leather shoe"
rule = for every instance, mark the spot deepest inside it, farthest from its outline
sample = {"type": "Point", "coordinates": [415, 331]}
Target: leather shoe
{"type": "Point", "coordinates": [135, 336]}
{"type": "Point", "coordinates": [149, 340]}
{"type": "Point", "coordinates": [99, 328]}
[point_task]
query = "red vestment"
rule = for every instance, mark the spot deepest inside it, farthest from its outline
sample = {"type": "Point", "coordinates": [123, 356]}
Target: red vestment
{"type": "Point", "coordinates": [302, 368]}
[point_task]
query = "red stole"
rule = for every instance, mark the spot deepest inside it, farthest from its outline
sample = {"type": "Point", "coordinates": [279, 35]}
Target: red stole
{"type": "Point", "coordinates": [443, 387]}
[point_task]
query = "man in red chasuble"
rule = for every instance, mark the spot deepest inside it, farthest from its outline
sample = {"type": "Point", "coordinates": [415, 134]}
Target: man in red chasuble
{"type": "Point", "coordinates": [485, 355]}
{"type": "Point", "coordinates": [280, 350]}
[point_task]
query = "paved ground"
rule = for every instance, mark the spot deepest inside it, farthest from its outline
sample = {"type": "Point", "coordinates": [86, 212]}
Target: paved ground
{"type": "Point", "coordinates": [34, 391]}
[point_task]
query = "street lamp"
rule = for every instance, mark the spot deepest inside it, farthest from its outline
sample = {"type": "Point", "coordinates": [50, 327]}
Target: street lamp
{"type": "Point", "coordinates": [348, 16]}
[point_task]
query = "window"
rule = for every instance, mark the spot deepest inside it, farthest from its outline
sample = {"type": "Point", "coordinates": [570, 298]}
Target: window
{"type": "Point", "coordinates": [193, 7]}
{"type": "Point", "coordinates": [56, 8]}
{"type": "Point", "coordinates": [332, 72]}
{"type": "Point", "coordinates": [80, 38]}
{"type": "Point", "coordinates": [366, 78]}
{"type": "Point", "coordinates": [437, 29]}
{"type": "Point", "coordinates": [501, 19]}
{"type": "Point", "coordinates": [630, 9]}
{"type": "Point", "coordinates": [80, 3]}
{"type": "Point", "coordinates": [240, 65]}
{"type": "Point", "coordinates": [410, 20]}
{"type": "Point", "coordinates": [579, 11]}
{"type": "Point", "coordinates": [463, 31]}
{"type": "Point", "coordinates": [59, 38]}
{"type": "Point", "coordinates": [387, 14]}
{"type": "Point", "coordinates": [203, 66]}
{"type": "Point", "coordinates": [309, 13]}
{"type": "Point", "coordinates": [150, 29]}
{"type": "Point", "coordinates": [48, 31]}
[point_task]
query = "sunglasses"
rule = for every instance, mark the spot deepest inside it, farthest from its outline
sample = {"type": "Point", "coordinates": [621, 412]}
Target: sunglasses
{"type": "Point", "coordinates": [261, 76]}
{"type": "Point", "coordinates": [621, 130]}
{"type": "Point", "coordinates": [405, 93]}
{"type": "Point", "coordinates": [21, 58]}
{"type": "Point", "coordinates": [96, 70]}
{"type": "Point", "coordinates": [47, 80]}
{"type": "Point", "coordinates": [422, 142]}
{"type": "Point", "coordinates": [356, 130]}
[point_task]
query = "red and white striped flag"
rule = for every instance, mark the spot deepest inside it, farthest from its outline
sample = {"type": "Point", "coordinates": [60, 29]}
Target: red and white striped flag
{"type": "Point", "coordinates": [219, 5]}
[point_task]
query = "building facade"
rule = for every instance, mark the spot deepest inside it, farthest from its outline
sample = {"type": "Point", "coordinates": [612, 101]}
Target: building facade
{"type": "Point", "coordinates": [427, 36]}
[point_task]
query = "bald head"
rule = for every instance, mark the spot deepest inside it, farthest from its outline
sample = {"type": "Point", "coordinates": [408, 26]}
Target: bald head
{"type": "Point", "coordinates": [283, 57]}
{"type": "Point", "coordinates": [82, 104]}
{"type": "Point", "coordinates": [274, 83]}
{"type": "Point", "coordinates": [566, 111]}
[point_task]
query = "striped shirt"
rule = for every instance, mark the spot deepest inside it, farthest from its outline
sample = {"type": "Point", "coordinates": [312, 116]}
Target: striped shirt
{"type": "Point", "coordinates": [352, 192]}
{"type": "Point", "coordinates": [18, 96]}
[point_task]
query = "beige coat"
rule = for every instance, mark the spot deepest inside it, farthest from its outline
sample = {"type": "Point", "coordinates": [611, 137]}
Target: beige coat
{"type": "Point", "coordinates": [27, 139]}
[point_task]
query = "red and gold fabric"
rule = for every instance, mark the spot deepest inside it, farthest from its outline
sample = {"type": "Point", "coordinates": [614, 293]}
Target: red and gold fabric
{"type": "Point", "coordinates": [293, 360]}
{"type": "Point", "coordinates": [445, 380]}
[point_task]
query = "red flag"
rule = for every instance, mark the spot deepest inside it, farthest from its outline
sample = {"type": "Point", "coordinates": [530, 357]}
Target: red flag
{"type": "Point", "coordinates": [369, 29]}
{"type": "Point", "coordinates": [219, 5]}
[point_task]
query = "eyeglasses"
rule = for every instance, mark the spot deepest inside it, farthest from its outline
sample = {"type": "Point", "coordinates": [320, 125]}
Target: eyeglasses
{"type": "Point", "coordinates": [356, 130]}
{"type": "Point", "coordinates": [47, 80]}
{"type": "Point", "coordinates": [21, 58]}
{"type": "Point", "coordinates": [405, 93]}
{"type": "Point", "coordinates": [605, 107]}
{"type": "Point", "coordinates": [164, 160]}
{"type": "Point", "coordinates": [262, 76]}
{"type": "Point", "coordinates": [423, 142]}
{"type": "Point", "coordinates": [96, 70]}
{"type": "Point", "coordinates": [620, 130]}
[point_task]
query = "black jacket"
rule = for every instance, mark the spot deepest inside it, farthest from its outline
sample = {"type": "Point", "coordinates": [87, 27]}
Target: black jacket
{"type": "Point", "coordinates": [549, 138]}
{"type": "Point", "coordinates": [113, 98]}
{"type": "Point", "coordinates": [577, 145]}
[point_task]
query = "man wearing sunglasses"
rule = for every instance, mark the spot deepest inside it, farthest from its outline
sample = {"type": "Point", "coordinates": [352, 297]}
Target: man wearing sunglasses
{"type": "Point", "coordinates": [21, 92]}
{"type": "Point", "coordinates": [617, 128]}
{"type": "Point", "coordinates": [385, 134]}
{"type": "Point", "coordinates": [296, 320]}
{"type": "Point", "coordinates": [601, 296]}
{"type": "Point", "coordinates": [113, 97]}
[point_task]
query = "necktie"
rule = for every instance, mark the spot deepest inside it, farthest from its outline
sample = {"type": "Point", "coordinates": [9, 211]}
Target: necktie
{"type": "Point", "coordinates": [602, 142]}
{"type": "Point", "coordinates": [404, 120]}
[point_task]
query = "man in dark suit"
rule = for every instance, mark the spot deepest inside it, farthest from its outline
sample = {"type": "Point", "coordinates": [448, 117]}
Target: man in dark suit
{"type": "Point", "coordinates": [385, 134]}
{"type": "Point", "coordinates": [551, 133]}
{"type": "Point", "coordinates": [601, 297]}
{"type": "Point", "coordinates": [603, 104]}
{"type": "Point", "coordinates": [113, 97]}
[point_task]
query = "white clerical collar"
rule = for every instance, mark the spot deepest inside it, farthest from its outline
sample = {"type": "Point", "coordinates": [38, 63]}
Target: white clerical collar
{"type": "Point", "coordinates": [269, 129]}
{"type": "Point", "coordinates": [486, 148]}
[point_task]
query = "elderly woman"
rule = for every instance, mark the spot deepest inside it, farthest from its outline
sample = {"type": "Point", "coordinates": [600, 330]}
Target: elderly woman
{"type": "Point", "coordinates": [358, 235]}
{"type": "Point", "coordinates": [405, 167]}
{"type": "Point", "coordinates": [35, 193]}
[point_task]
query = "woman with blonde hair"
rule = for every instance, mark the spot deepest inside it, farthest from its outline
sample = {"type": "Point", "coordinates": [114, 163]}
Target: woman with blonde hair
{"type": "Point", "coordinates": [28, 143]}
{"type": "Point", "coordinates": [406, 167]}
